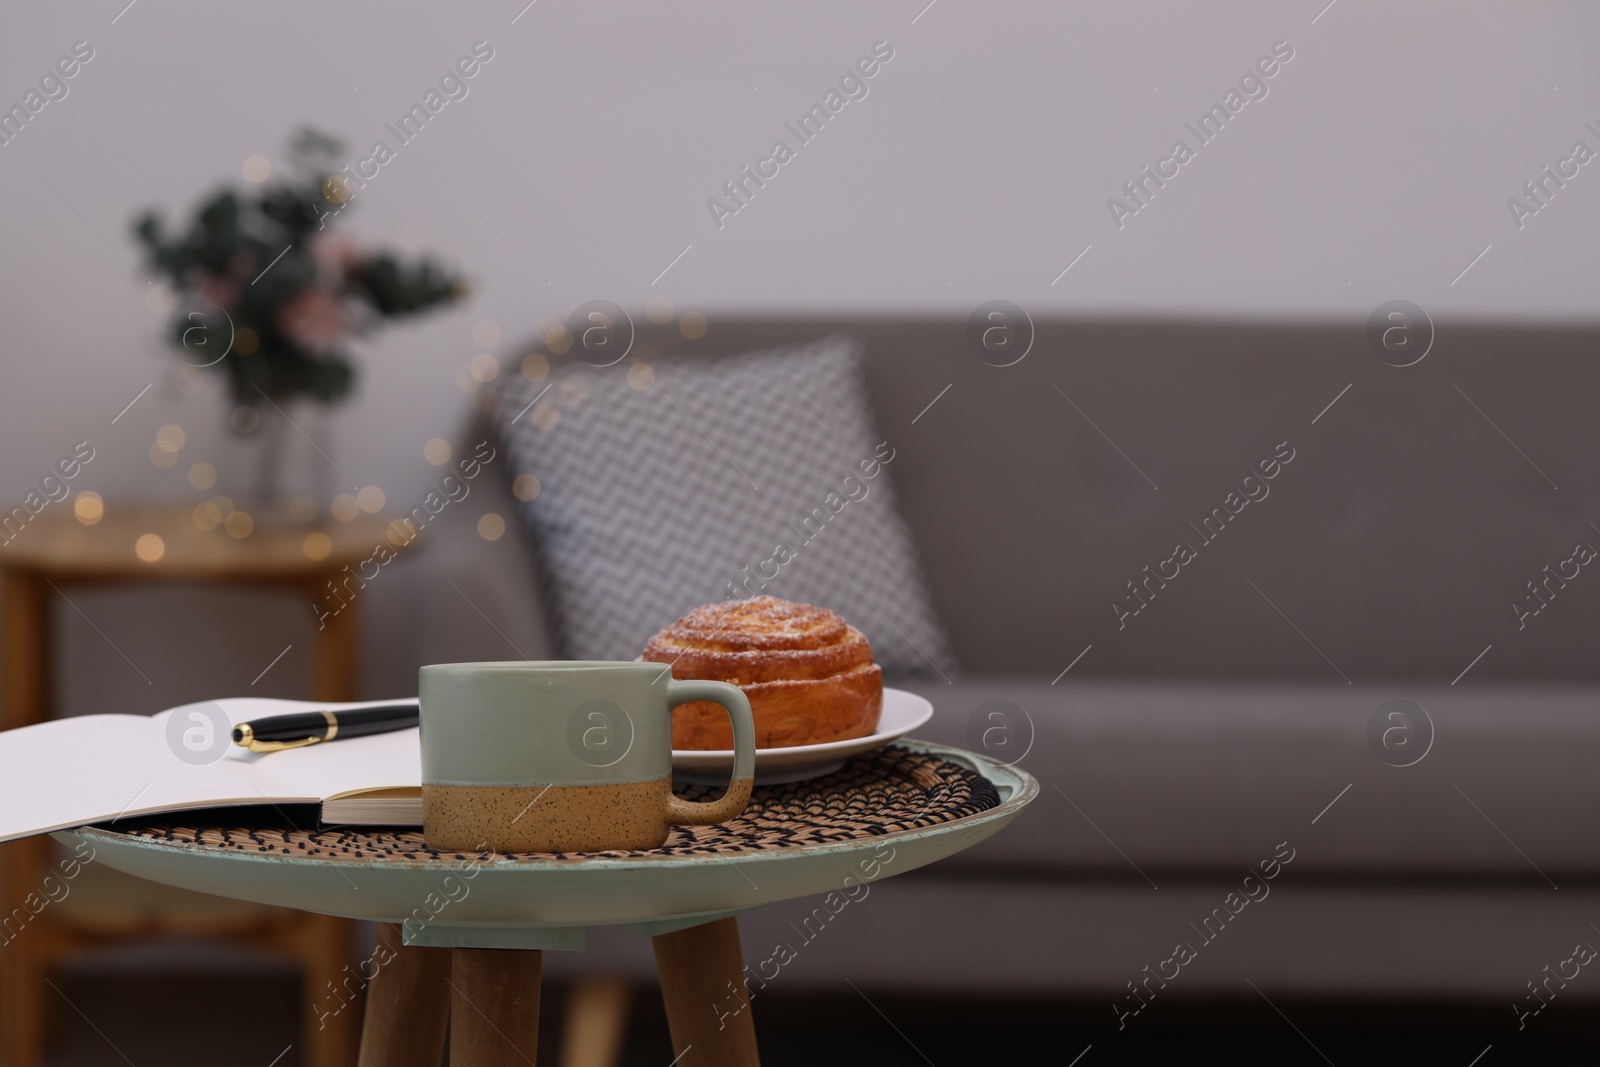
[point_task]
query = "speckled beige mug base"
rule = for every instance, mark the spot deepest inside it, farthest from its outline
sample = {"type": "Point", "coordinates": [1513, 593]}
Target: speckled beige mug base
{"type": "Point", "coordinates": [557, 818]}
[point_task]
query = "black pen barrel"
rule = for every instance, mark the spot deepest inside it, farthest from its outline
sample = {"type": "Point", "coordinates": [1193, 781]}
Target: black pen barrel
{"type": "Point", "coordinates": [356, 722]}
{"type": "Point", "coordinates": [363, 721]}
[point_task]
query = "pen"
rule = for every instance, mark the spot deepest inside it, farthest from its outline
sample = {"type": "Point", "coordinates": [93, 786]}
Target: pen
{"type": "Point", "coordinates": [302, 728]}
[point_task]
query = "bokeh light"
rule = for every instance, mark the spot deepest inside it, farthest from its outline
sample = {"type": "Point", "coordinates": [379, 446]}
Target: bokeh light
{"type": "Point", "coordinates": [336, 189]}
{"type": "Point", "coordinates": [535, 367]}
{"type": "Point", "coordinates": [484, 367]}
{"type": "Point", "coordinates": [545, 416]}
{"type": "Point", "coordinates": [574, 390]}
{"type": "Point", "coordinates": [317, 546]}
{"type": "Point", "coordinates": [486, 334]}
{"type": "Point", "coordinates": [88, 507]}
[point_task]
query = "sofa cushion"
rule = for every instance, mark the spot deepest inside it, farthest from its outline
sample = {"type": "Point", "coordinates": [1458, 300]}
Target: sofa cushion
{"type": "Point", "coordinates": [1168, 779]}
{"type": "Point", "coordinates": [663, 488]}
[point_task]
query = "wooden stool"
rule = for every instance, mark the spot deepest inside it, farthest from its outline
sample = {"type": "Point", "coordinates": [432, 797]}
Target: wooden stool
{"type": "Point", "coordinates": [47, 562]}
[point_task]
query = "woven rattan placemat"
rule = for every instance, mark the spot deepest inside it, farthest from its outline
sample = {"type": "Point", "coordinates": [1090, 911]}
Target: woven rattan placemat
{"type": "Point", "coordinates": [882, 792]}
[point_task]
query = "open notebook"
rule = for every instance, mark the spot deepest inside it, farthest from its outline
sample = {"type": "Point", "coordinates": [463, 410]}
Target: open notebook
{"type": "Point", "coordinates": [95, 768]}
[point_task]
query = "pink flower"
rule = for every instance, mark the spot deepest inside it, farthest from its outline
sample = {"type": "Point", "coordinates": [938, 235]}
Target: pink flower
{"type": "Point", "coordinates": [313, 318]}
{"type": "Point", "coordinates": [224, 292]}
{"type": "Point", "coordinates": [335, 254]}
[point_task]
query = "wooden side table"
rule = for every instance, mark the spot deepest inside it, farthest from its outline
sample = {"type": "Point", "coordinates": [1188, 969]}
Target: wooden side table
{"type": "Point", "coordinates": [52, 555]}
{"type": "Point", "coordinates": [462, 936]}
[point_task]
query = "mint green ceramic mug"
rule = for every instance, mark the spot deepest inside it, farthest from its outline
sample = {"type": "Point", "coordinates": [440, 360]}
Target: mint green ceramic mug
{"type": "Point", "coordinates": [564, 755]}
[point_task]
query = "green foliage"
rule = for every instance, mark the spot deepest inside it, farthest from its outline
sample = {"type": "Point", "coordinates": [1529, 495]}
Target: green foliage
{"type": "Point", "coordinates": [293, 288]}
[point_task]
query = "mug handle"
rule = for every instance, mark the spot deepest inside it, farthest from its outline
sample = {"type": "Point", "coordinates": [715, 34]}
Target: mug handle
{"type": "Point", "coordinates": [731, 697]}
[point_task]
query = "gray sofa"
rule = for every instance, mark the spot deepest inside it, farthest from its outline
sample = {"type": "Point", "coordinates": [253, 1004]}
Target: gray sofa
{"type": "Point", "coordinates": [1225, 721]}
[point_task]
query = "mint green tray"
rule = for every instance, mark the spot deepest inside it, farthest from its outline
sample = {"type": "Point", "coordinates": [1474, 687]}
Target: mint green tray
{"type": "Point", "coordinates": [540, 903]}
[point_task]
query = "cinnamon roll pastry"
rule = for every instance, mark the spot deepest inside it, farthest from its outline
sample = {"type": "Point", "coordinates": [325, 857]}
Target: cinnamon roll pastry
{"type": "Point", "coordinates": [808, 674]}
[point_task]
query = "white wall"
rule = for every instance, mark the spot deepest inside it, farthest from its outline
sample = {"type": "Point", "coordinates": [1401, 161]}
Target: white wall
{"type": "Point", "coordinates": [991, 143]}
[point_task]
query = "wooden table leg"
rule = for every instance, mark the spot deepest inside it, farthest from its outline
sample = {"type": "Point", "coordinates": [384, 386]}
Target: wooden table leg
{"type": "Point", "coordinates": [25, 625]}
{"type": "Point", "coordinates": [24, 700]}
{"type": "Point", "coordinates": [335, 648]}
{"type": "Point", "coordinates": [24, 1009]}
{"type": "Point", "coordinates": [596, 1022]}
{"type": "Point", "coordinates": [335, 677]}
{"type": "Point", "coordinates": [328, 968]}
{"type": "Point", "coordinates": [408, 1004]}
{"type": "Point", "coordinates": [702, 981]}
{"type": "Point", "coordinates": [494, 1007]}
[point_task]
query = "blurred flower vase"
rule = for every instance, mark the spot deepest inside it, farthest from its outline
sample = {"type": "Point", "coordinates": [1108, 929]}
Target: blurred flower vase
{"type": "Point", "coordinates": [270, 485]}
{"type": "Point", "coordinates": [270, 295]}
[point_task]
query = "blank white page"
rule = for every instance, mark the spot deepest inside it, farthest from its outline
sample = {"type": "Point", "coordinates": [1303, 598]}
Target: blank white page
{"type": "Point", "coordinates": [65, 773]}
{"type": "Point", "coordinates": [94, 768]}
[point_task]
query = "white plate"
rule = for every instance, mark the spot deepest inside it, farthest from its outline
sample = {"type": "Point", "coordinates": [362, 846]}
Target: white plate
{"type": "Point", "coordinates": [902, 713]}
